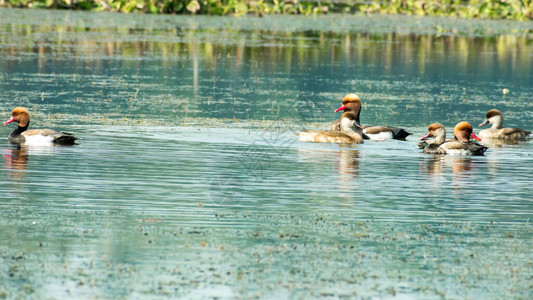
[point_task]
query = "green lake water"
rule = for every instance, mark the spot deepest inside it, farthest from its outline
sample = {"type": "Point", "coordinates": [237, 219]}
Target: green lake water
{"type": "Point", "coordinates": [189, 181]}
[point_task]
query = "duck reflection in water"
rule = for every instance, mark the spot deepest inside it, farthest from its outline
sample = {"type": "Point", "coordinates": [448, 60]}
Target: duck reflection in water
{"type": "Point", "coordinates": [16, 159]}
{"type": "Point", "coordinates": [500, 143]}
{"type": "Point", "coordinates": [439, 164]}
{"type": "Point", "coordinates": [348, 162]}
{"type": "Point", "coordinates": [345, 160]}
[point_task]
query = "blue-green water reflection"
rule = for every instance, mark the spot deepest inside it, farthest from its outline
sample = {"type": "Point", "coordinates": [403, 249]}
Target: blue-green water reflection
{"type": "Point", "coordinates": [189, 181]}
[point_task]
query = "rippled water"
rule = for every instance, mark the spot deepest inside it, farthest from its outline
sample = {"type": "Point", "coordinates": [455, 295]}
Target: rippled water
{"type": "Point", "coordinates": [189, 181]}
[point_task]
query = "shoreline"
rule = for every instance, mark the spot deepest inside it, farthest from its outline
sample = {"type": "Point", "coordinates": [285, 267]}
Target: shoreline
{"type": "Point", "coordinates": [484, 9]}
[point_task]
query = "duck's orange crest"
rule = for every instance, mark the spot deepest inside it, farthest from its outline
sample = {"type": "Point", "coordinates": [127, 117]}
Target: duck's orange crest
{"type": "Point", "coordinates": [19, 110]}
{"type": "Point", "coordinates": [350, 98]}
{"type": "Point", "coordinates": [463, 126]}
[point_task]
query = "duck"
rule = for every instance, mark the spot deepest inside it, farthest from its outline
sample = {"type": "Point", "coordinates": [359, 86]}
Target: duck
{"type": "Point", "coordinates": [461, 145]}
{"type": "Point", "coordinates": [496, 131]}
{"type": "Point", "coordinates": [350, 132]}
{"type": "Point", "coordinates": [352, 102]}
{"type": "Point", "coordinates": [436, 131]}
{"type": "Point", "coordinates": [38, 137]}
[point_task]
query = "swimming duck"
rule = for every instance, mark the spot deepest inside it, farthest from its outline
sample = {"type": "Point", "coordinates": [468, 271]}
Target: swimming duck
{"type": "Point", "coordinates": [460, 145]}
{"type": "Point", "coordinates": [350, 132]}
{"type": "Point", "coordinates": [496, 131]}
{"type": "Point", "coordinates": [352, 102]}
{"type": "Point", "coordinates": [22, 136]}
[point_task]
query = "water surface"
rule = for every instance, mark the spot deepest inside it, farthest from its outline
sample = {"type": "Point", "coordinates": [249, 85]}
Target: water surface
{"type": "Point", "coordinates": [189, 181]}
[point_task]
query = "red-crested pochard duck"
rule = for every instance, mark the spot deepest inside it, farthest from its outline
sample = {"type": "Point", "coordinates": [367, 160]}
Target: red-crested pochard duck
{"type": "Point", "coordinates": [22, 136]}
{"type": "Point", "coordinates": [496, 131]}
{"type": "Point", "coordinates": [460, 145]}
{"type": "Point", "coordinates": [352, 102]}
{"type": "Point", "coordinates": [350, 132]}
{"type": "Point", "coordinates": [437, 131]}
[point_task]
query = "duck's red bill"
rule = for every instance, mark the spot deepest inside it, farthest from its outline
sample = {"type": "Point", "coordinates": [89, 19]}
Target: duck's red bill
{"type": "Point", "coordinates": [9, 121]}
{"type": "Point", "coordinates": [475, 137]}
{"type": "Point", "coordinates": [340, 108]}
{"type": "Point", "coordinates": [425, 136]}
{"type": "Point", "coordinates": [485, 122]}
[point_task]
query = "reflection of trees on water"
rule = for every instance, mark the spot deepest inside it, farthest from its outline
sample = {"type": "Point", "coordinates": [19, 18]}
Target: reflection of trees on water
{"type": "Point", "coordinates": [262, 74]}
{"type": "Point", "coordinates": [278, 51]}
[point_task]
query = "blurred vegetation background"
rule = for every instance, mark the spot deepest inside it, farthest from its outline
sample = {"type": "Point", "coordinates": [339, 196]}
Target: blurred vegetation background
{"type": "Point", "coordinates": [484, 9]}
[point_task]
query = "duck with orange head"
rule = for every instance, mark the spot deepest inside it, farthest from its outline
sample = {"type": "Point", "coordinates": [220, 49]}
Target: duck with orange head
{"type": "Point", "coordinates": [35, 137]}
{"type": "Point", "coordinates": [352, 102]}
{"type": "Point", "coordinates": [461, 145]}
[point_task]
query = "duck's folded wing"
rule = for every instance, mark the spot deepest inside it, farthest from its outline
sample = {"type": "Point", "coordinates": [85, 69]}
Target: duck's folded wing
{"type": "Point", "coordinates": [514, 132]}
{"type": "Point", "coordinates": [475, 148]}
{"type": "Point", "coordinates": [56, 136]}
{"type": "Point", "coordinates": [310, 135]}
{"type": "Point", "coordinates": [335, 125]}
{"type": "Point", "coordinates": [377, 130]}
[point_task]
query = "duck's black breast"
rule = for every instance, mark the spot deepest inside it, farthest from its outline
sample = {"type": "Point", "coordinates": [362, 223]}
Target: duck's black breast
{"type": "Point", "coordinates": [434, 149]}
{"type": "Point", "coordinates": [16, 137]}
